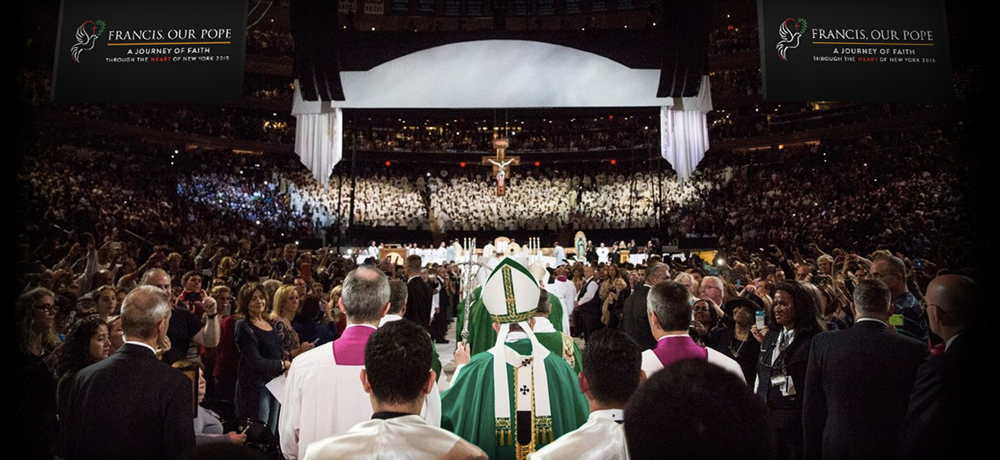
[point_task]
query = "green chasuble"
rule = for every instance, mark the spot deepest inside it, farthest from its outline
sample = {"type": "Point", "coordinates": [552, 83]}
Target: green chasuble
{"type": "Point", "coordinates": [435, 360]}
{"type": "Point", "coordinates": [556, 313]}
{"type": "Point", "coordinates": [467, 408]}
{"type": "Point", "coordinates": [562, 345]}
{"type": "Point", "coordinates": [481, 334]}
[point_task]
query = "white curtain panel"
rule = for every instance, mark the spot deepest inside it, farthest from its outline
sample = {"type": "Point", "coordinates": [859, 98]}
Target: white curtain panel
{"type": "Point", "coordinates": [684, 133]}
{"type": "Point", "coordinates": [319, 142]}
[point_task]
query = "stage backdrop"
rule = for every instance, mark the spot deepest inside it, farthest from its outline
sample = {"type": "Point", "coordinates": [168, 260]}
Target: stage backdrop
{"type": "Point", "coordinates": [128, 51]}
{"type": "Point", "coordinates": [851, 50]}
{"type": "Point", "coordinates": [500, 74]}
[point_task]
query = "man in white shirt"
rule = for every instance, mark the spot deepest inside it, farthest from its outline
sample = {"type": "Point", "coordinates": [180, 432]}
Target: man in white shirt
{"type": "Point", "coordinates": [323, 396]}
{"type": "Point", "coordinates": [611, 373]}
{"type": "Point", "coordinates": [398, 378]}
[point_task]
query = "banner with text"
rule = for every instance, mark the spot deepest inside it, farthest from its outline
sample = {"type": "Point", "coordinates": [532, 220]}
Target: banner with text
{"type": "Point", "coordinates": [125, 51]}
{"type": "Point", "coordinates": [374, 7]}
{"type": "Point", "coordinates": [850, 50]}
{"type": "Point", "coordinates": [347, 6]}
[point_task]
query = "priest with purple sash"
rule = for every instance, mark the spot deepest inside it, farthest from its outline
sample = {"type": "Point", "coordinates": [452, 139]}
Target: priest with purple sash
{"type": "Point", "coordinates": [323, 395]}
{"type": "Point", "coordinates": [668, 307]}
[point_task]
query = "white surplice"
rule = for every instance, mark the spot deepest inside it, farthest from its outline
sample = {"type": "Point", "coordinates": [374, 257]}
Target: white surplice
{"type": "Point", "coordinates": [601, 438]}
{"type": "Point", "coordinates": [324, 399]}
{"type": "Point", "coordinates": [405, 437]}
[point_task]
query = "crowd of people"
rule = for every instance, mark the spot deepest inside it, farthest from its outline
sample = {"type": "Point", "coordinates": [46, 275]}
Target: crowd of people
{"type": "Point", "coordinates": [244, 312]}
{"type": "Point", "coordinates": [733, 39]}
{"type": "Point", "coordinates": [221, 122]}
{"type": "Point", "coordinates": [532, 135]}
{"type": "Point", "coordinates": [858, 194]}
{"type": "Point", "coordinates": [159, 291]}
{"type": "Point", "coordinates": [380, 201]}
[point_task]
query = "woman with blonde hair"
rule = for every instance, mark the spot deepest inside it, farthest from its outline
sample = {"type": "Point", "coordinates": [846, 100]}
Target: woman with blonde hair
{"type": "Point", "coordinates": [35, 390]}
{"type": "Point", "coordinates": [35, 315]}
{"type": "Point", "coordinates": [283, 311]}
{"type": "Point", "coordinates": [337, 316]}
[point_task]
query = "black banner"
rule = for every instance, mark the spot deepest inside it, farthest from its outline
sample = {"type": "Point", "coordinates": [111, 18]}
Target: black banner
{"type": "Point", "coordinates": [574, 6]}
{"type": "Point", "coordinates": [124, 51]}
{"type": "Point", "coordinates": [452, 7]}
{"type": "Point", "coordinates": [598, 6]}
{"type": "Point", "coordinates": [520, 7]}
{"type": "Point", "coordinates": [474, 7]}
{"type": "Point", "coordinates": [399, 7]}
{"type": "Point", "coordinates": [546, 7]}
{"type": "Point", "coordinates": [886, 51]}
{"type": "Point", "coordinates": [426, 7]}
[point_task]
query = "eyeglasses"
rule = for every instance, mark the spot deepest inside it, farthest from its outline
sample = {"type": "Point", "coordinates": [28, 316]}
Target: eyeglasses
{"type": "Point", "coordinates": [46, 308]}
{"type": "Point", "coordinates": [924, 305]}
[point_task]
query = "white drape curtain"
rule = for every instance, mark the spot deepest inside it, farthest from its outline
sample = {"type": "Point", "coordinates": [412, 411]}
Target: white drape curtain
{"type": "Point", "coordinates": [319, 142]}
{"type": "Point", "coordinates": [684, 133]}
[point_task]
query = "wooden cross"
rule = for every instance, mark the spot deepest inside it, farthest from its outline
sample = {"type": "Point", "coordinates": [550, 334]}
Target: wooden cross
{"type": "Point", "coordinates": [501, 163]}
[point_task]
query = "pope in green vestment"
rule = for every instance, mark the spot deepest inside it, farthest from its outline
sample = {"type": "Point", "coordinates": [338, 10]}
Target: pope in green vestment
{"type": "Point", "coordinates": [516, 396]}
{"type": "Point", "coordinates": [467, 410]}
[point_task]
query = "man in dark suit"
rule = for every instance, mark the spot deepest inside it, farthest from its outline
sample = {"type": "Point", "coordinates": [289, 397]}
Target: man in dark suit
{"type": "Point", "coordinates": [635, 319]}
{"type": "Point", "coordinates": [286, 264]}
{"type": "Point", "coordinates": [858, 382]}
{"type": "Point", "coordinates": [588, 303]}
{"type": "Point", "coordinates": [131, 405]}
{"type": "Point", "coordinates": [418, 300]}
{"type": "Point", "coordinates": [949, 410]}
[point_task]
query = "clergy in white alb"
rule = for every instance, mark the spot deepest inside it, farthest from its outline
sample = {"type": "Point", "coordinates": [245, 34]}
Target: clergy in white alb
{"type": "Point", "coordinates": [323, 395]}
{"type": "Point", "coordinates": [669, 312]}
{"type": "Point", "coordinates": [398, 379]}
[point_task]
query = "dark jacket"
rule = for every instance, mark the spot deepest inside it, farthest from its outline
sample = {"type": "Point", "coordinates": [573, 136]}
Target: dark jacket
{"type": "Point", "coordinates": [128, 406]}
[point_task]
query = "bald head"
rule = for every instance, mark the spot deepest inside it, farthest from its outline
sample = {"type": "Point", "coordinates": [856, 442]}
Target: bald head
{"type": "Point", "coordinates": [142, 311]}
{"type": "Point", "coordinates": [953, 304]}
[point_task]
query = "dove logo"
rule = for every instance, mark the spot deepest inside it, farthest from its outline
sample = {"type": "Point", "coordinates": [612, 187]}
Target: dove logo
{"type": "Point", "coordinates": [86, 38]}
{"type": "Point", "coordinates": [790, 32]}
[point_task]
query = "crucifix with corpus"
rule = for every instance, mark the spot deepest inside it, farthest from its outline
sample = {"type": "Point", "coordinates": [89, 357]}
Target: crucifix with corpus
{"type": "Point", "coordinates": [501, 163]}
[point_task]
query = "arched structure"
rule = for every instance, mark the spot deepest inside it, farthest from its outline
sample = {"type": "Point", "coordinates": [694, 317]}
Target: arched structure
{"type": "Point", "coordinates": [501, 74]}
